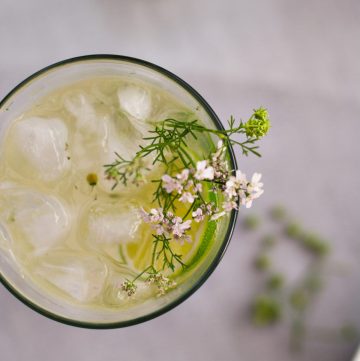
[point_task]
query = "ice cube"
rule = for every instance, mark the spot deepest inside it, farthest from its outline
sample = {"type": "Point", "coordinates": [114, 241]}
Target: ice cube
{"type": "Point", "coordinates": [39, 148]}
{"type": "Point", "coordinates": [38, 219]}
{"type": "Point", "coordinates": [124, 142]}
{"type": "Point", "coordinates": [136, 101]}
{"type": "Point", "coordinates": [79, 276]}
{"type": "Point", "coordinates": [122, 139]}
{"type": "Point", "coordinates": [80, 107]}
{"type": "Point", "coordinates": [91, 130]}
{"type": "Point", "coordinates": [112, 223]}
{"type": "Point", "coordinates": [100, 135]}
{"type": "Point", "coordinates": [88, 122]}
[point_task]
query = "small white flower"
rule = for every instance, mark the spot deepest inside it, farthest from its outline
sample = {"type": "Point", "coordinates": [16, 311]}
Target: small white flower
{"type": "Point", "coordinates": [159, 229]}
{"type": "Point", "coordinates": [170, 184]}
{"type": "Point", "coordinates": [187, 197]}
{"type": "Point", "coordinates": [216, 216]}
{"type": "Point", "coordinates": [252, 191]}
{"type": "Point", "coordinates": [198, 187]}
{"type": "Point", "coordinates": [235, 185]}
{"type": "Point", "coordinates": [203, 171]}
{"type": "Point", "coordinates": [247, 201]}
{"type": "Point", "coordinates": [189, 184]}
{"type": "Point", "coordinates": [230, 188]}
{"type": "Point", "coordinates": [240, 178]}
{"type": "Point", "coordinates": [129, 287]}
{"type": "Point", "coordinates": [183, 238]}
{"type": "Point", "coordinates": [198, 215]}
{"type": "Point", "coordinates": [179, 227]}
{"type": "Point", "coordinates": [229, 206]}
{"type": "Point", "coordinates": [255, 194]}
{"type": "Point", "coordinates": [258, 194]}
{"type": "Point", "coordinates": [218, 173]}
{"type": "Point", "coordinates": [220, 149]}
{"type": "Point", "coordinates": [183, 176]}
{"type": "Point", "coordinates": [170, 214]}
{"type": "Point", "coordinates": [163, 283]}
{"type": "Point", "coordinates": [144, 215]}
{"type": "Point", "coordinates": [255, 185]}
{"type": "Point", "coordinates": [256, 178]}
{"type": "Point", "coordinates": [242, 193]}
{"type": "Point", "coordinates": [156, 215]}
{"type": "Point", "coordinates": [209, 209]}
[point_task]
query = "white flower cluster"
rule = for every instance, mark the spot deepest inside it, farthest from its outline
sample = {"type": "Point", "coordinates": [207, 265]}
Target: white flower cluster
{"type": "Point", "coordinates": [163, 283]}
{"type": "Point", "coordinates": [167, 224]}
{"type": "Point", "coordinates": [239, 189]}
{"type": "Point", "coordinates": [129, 287]}
{"type": "Point", "coordinates": [236, 189]}
{"type": "Point", "coordinates": [182, 184]}
{"type": "Point", "coordinates": [206, 170]}
{"type": "Point", "coordinates": [187, 183]}
{"type": "Point", "coordinates": [221, 170]}
{"type": "Point", "coordinates": [207, 209]}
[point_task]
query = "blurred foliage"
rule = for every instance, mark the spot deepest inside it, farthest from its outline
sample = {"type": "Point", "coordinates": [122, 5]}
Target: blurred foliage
{"type": "Point", "coordinates": [293, 230]}
{"type": "Point", "coordinates": [269, 241]}
{"type": "Point", "coordinates": [349, 332]}
{"type": "Point", "coordinates": [313, 283]}
{"type": "Point", "coordinates": [251, 222]}
{"type": "Point", "coordinates": [278, 213]}
{"type": "Point", "coordinates": [266, 311]}
{"type": "Point", "coordinates": [315, 244]}
{"type": "Point", "coordinates": [275, 282]}
{"type": "Point", "coordinates": [277, 300]}
{"type": "Point", "coordinates": [299, 299]}
{"type": "Point", "coordinates": [262, 262]}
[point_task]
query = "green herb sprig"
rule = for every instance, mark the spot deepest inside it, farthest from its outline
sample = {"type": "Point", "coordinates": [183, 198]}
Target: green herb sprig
{"type": "Point", "coordinates": [184, 179]}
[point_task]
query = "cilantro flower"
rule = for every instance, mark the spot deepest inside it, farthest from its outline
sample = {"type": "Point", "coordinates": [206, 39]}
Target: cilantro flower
{"type": "Point", "coordinates": [203, 171]}
{"type": "Point", "coordinates": [198, 215]}
{"type": "Point", "coordinates": [129, 287]}
{"type": "Point", "coordinates": [170, 184]}
{"type": "Point", "coordinates": [187, 197]}
{"type": "Point", "coordinates": [179, 228]}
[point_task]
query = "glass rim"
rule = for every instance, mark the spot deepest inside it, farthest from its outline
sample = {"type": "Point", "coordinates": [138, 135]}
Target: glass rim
{"type": "Point", "coordinates": [215, 119]}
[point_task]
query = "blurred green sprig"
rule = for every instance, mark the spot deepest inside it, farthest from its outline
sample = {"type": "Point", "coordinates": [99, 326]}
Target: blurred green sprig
{"type": "Point", "coordinates": [279, 300]}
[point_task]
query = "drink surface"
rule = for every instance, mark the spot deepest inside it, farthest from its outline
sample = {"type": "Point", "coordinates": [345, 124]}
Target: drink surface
{"type": "Point", "coordinates": [70, 233]}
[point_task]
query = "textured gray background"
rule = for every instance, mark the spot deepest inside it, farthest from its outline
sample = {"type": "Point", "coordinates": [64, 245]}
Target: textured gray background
{"type": "Point", "coordinates": [301, 60]}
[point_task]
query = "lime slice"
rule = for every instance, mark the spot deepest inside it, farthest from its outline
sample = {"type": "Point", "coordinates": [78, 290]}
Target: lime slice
{"type": "Point", "coordinates": [139, 252]}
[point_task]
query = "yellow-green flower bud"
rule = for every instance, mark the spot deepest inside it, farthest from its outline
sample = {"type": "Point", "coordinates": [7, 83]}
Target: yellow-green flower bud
{"type": "Point", "coordinates": [258, 125]}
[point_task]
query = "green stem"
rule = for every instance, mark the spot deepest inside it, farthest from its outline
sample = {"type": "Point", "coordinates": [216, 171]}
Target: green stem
{"type": "Point", "coordinates": [191, 161]}
{"type": "Point", "coordinates": [189, 210]}
{"type": "Point", "coordinates": [154, 253]}
{"type": "Point", "coordinates": [140, 274]}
